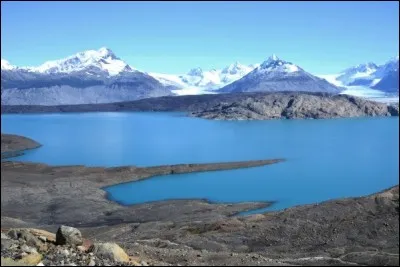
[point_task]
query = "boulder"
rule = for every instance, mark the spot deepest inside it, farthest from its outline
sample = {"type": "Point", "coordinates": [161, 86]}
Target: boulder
{"type": "Point", "coordinates": [68, 236]}
{"type": "Point", "coordinates": [109, 251]}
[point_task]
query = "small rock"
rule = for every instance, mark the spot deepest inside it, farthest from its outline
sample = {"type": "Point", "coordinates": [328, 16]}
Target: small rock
{"type": "Point", "coordinates": [28, 249]}
{"type": "Point", "coordinates": [110, 251]}
{"type": "Point", "coordinates": [30, 239]}
{"type": "Point", "coordinates": [42, 238]}
{"type": "Point", "coordinates": [143, 263]}
{"type": "Point", "coordinates": [40, 264]}
{"type": "Point", "coordinates": [13, 233]}
{"type": "Point", "coordinates": [68, 236]}
{"type": "Point", "coordinates": [62, 262]}
{"type": "Point", "coordinates": [65, 252]}
{"type": "Point", "coordinates": [22, 255]}
{"type": "Point", "coordinates": [4, 236]}
{"type": "Point", "coordinates": [91, 263]}
{"type": "Point", "coordinates": [8, 244]}
{"type": "Point", "coordinates": [81, 248]}
{"type": "Point", "coordinates": [43, 247]}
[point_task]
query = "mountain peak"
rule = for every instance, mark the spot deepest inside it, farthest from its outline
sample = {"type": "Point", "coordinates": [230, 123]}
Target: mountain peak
{"type": "Point", "coordinates": [5, 65]}
{"type": "Point", "coordinates": [235, 68]}
{"type": "Point", "coordinates": [273, 58]}
{"type": "Point", "coordinates": [106, 52]}
{"type": "Point", "coordinates": [103, 59]}
{"type": "Point", "coordinates": [195, 72]}
{"type": "Point", "coordinates": [273, 63]}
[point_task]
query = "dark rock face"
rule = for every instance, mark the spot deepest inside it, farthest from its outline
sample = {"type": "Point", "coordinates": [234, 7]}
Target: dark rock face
{"type": "Point", "coordinates": [68, 236]}
{"type": "Point", "coordinates": [297, 105]}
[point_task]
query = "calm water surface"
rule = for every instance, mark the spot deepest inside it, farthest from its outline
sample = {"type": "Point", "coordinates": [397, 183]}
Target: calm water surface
{"type": "Point", "coordinates": [325, 158]}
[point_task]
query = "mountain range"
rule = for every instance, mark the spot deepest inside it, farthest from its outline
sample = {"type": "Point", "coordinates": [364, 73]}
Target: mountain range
{"type": "Point", "coordinates": [99, 76]}
{"type": "Point", "coordinates": [381, 77]}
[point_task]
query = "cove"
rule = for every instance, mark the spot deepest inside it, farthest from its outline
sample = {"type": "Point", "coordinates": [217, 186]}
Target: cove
{"type": "Point", "coordinates": [325, 159]}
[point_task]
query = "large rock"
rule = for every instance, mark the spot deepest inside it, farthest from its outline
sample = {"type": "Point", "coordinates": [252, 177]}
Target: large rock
{"type": "Point", "coordinates": [68, 236]}
{"type": "Point", "coordinates": [24, 234]}
{"type": "Point", "coordinates": [43, 235]}
{"type": "Point", "coordinates": [110, 251]}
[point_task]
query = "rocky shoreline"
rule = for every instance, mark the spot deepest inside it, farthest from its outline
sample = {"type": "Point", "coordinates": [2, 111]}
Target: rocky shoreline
{"type": "Point", "coordinates": [15, 145]}
{"type": "Point", "coordinates": [237, 106]}
{"type": "Point", "coordinates": [297, 106]}
{"type": "Point", "coordinates": [351, 231]}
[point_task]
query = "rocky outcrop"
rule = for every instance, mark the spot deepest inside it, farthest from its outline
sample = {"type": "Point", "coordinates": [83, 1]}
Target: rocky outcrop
{"type": "Point", "coordinates": [297, 106]}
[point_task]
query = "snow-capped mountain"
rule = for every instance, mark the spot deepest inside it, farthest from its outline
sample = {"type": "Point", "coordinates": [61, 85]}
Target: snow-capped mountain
{"type": "Point", "coordinates": [369, 74]}
{"type": "Point", "coordinates": [93, 76]}
{"type": "Point", "coordinates": [99, 76]}
{"type": "Point", "coordinates": [389, 76]}
{"type": "Point", "coordinates": [92, 60]}
{"type": "Point", "coordinates": [276, 74]}
{"type": "Point", "coordinates": [199, 81]}
{"type": "Point", "coordinates": [361, 74]}
{"type": "Point", "coordinates": [5, 65]}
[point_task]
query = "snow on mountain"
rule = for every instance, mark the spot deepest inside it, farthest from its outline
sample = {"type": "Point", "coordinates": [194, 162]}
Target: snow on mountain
{"type": "Point", "coordinates": [360, 72]}
{"type": "Point", "coordinates": [103, 59]}
{"type": "Point", "coordinates": [275, 74]}
{"type": "Point", "coordinates": [332, 78]}
{"type": "Point", "coordinates": [93, 76]}
{"type": "Point", "coordinates": [5, 65]}
{"type": "Point", "coordinates": [368, 74]}
{"type": "Point", "coordinates": [198, 81]}
{"type": "Point", "coordinates": [371, 81]}
{"type": "Point", "coordinates": [275, 65]}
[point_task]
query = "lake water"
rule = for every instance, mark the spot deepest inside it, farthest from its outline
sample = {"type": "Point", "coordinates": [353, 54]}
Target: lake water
{"type": "Point", "coordinates": [325, 158]}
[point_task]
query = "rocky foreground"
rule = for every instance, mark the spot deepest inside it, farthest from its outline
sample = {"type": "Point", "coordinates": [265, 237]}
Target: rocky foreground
{"type": "Point", "coordinates": [352, 231]}
{"type": "Point", "coordinates": [297, 106]}
{"type": "Point", "coordinates": [35, 247]}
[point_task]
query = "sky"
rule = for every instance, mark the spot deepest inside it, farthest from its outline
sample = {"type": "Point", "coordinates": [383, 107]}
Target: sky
{"type": "Point", "coordinates": [173, 37]}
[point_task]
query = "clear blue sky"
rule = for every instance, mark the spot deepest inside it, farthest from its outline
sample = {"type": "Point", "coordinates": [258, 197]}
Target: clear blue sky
{"type": "Point", "coordinates": [172, 37]}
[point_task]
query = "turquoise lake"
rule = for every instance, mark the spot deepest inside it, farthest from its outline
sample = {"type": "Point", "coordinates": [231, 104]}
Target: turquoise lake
{"type": "Point", "coordinates": [326, 159]}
